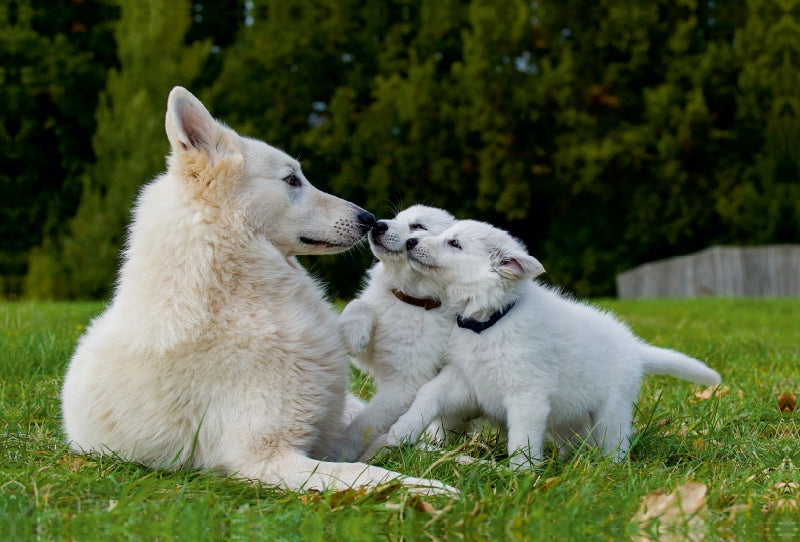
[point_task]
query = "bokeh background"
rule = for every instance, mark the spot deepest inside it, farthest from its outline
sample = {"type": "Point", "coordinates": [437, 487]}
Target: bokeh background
{"type": "Point", "coordinates": [604, 133]}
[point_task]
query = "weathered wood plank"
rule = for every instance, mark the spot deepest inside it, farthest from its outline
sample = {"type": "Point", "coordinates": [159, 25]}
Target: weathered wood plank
{"type": "Point", "coordinates": [718, 271]}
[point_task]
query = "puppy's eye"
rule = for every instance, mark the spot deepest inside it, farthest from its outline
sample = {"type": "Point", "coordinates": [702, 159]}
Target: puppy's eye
{"type": "Point", "coordinates": [417, 227]}
{"type": "Point", "coordinates": [454, 243]}
{"type": "Point", "coordinates": [292, 180]}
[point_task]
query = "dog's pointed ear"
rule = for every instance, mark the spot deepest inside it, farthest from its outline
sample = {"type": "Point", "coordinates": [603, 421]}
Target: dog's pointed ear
{"type": "Point", "coordinates": [188, 123]}
{"type": "Point", "coordinates": [517, 264]}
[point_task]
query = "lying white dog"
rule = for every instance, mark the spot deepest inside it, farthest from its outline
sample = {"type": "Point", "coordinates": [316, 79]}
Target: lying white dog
{"type": "Point", "coordinates": [526, 357]}
{"type": "Point", "coordinates": [395, 330]}
{"type": "Point", "coordinates": [218, 350]}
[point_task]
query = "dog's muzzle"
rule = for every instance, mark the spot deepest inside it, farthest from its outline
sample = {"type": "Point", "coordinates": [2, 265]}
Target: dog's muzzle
{"type": "Point", "coordinates": [366, 221]}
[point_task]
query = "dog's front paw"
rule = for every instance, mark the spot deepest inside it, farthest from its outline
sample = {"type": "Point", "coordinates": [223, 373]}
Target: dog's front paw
{"type": "Point", "coordinates": [522, 460]}
{"type": "Point", "coordinates": [355, 336]}
{"type": "Point", "coordinates": [392, 440]}
{"type": "Point", "coordinates": [376, 449]}
{"type": "Point", "coordinates": [355, 327]}
{"type": "Point", "coordinates": [400, 434]}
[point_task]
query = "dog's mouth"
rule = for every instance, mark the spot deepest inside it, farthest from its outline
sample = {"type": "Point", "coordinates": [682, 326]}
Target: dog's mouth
{"type": "Point", "coordinates": [320, 243]}
{"type": "Point", "coordinates": [417, 262]}
{"type": "Point", "coordinates": [376, 244]}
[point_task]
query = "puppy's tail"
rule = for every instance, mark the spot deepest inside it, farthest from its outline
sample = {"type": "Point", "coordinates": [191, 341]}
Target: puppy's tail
{"type": "Point", "coordinates": [662, 361]}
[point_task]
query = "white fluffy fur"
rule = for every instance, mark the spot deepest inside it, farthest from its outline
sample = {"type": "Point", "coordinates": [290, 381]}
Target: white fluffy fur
{"type": "Point", "coordinates": [399, 344]}
{"type": "Point", "coordinates": [218, 350]}
{"type": "Point", "coordinates": [550, 366]}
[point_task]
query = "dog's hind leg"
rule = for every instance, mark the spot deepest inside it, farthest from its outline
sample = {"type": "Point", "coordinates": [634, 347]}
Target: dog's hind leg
{"type": "Point", "coordinates": [571, 436]}
{"type": "Point", "coordinates": [614, 427]}
{"type": "Point", "coordinates": [296, 472]}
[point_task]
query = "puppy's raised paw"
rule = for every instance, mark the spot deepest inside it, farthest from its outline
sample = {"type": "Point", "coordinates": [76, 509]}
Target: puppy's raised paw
{"type": "Point", "coordinates": [355, 327]}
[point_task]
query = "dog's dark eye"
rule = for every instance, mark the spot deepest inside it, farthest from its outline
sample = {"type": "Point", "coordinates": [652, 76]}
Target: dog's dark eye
{"type": "Point", "coordinates": [292, 180]}
{"type": "Point", "coordinates": [417, 226]}
{"type": "Point", "coordinates": [454, 243]}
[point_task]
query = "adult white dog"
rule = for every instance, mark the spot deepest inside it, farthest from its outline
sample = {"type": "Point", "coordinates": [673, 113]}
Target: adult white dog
{"type": "Point", "coordinates": [395, 330]}
{"type": "Point", "coordinates": [524, 356]}
{"type": "Point", "coordinates": [218, 350]}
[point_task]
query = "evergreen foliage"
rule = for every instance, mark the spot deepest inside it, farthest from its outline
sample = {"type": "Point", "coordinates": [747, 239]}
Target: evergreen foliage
{"type": "Point", "coordinates": [604, 133]}
{"type": "Point", "coordinates": [129, 145]}
{"type": "Point", "coordinates": [52, 64]}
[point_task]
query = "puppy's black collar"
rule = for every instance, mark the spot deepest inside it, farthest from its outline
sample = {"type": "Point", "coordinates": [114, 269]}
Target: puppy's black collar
{"type": "Point", "coordinates": [477, 326]}
{"type": "Point", "coordinates": [427, 302]}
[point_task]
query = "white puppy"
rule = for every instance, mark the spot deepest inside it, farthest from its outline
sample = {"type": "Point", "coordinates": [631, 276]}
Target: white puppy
{"type": "Point", "coordinates": [526, 357]}
{"type": "Point", "coordinates": [219, 350]}
{"type": "Point", "coordinates": [395, 330]}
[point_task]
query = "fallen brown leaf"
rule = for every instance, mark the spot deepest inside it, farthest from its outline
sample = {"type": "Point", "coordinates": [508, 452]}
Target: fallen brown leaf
{"type": "Point", "coordinates": [346, 497]}
{"type": "Point", "coordinates": [787, 401]}
{"type": "Point", "coordinates": [75, 462]}
{"type": "Point", "coordinates": [421, 506]}
{"type": "Point", "coordinates": [684, 505]}
{"type": "Point", "coordinates": [418, 504]}
{"type": "Point", "coordinates": [310, 497]}
{"type": "Point", "coordinates": [549, 483]}
{"type": "Point", "coordinates": [712, 391]}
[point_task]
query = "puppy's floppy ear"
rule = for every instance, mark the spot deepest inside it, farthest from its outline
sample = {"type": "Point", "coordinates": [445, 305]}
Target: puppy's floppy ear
{"type": "Point", "coordinates": [189, 125]}
{"type": "Point", "coordinates": [516, 264]}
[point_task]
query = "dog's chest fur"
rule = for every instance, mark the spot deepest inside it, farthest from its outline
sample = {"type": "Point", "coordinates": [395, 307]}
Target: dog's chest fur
{"type": "Point", "coordinates": [406, 339]}
{"type": "Point", "coordinates": [229, 331]}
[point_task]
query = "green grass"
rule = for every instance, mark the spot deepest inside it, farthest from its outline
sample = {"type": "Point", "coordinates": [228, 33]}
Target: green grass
{"type": "Point", "coordinates": [738, 444]}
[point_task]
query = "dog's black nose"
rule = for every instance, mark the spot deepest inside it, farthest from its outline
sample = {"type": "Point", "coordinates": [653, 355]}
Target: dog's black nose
{"type": "Point", "coordinates": [366, 221]}
{"type": "Point", "coordinates": [380, 227]}
{"type": "Point", "coordinates": [411, 243]}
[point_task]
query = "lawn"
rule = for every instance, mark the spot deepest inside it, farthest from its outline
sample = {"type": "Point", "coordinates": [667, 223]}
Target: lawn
{"type": "Point", "coordinates": [731, 455]}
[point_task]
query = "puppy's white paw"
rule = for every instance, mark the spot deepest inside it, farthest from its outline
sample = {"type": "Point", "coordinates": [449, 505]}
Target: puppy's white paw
{"type": "Point", "coordinates": [375, 449]}
{"type": "Point", "coordinates": [400, 434]}
{"type": "Point", "coordinates": [355, 327]}
{"type": "Point", "coordinates": [522, 460]}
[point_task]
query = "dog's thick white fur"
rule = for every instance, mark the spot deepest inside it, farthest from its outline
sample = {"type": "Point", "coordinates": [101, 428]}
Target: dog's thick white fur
{"type": "Point", "coordinates": [395, 330]}
{"type": "Point", "coordinates": [218, 350]}
{"type": "Point", "coordinates": [549, 366]}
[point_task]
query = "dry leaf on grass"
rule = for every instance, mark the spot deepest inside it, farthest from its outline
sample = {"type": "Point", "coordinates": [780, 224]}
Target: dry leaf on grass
{"type": "Point", "coordinates": [347, 497]}
{"type": "Point", "coordinates": [416, 503]}
{"type": "Point", "coordinates": [787, 401]}
{"type": "Point", "coordinates": [75, 462]}
{"type": "Point", "coordinates": [310, 497]}
{"type": "Point", "coordinates": [671, 510]}
{"type": "Point", "coordinates": [712, 391]}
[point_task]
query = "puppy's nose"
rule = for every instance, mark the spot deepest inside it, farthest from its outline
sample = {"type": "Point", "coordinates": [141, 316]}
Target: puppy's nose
{"type": "Point", "coordinates": [380, 227]}
{"type": "Point", "coordinates": [366, 221]}
{"type": "Point", "coordinates": [411, 243]}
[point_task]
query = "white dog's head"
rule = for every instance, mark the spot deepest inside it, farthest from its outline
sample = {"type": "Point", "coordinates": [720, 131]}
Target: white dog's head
{"type": "Point", "coordinates": [258, 185]}
{"type": "Point", "coordinates": [474, 265]}
{"type": "Point", "coordinates": [387, 240]}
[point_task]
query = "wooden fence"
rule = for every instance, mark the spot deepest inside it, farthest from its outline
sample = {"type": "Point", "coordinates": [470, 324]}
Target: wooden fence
{"type": "Point", "coordinates": [764, 271]}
